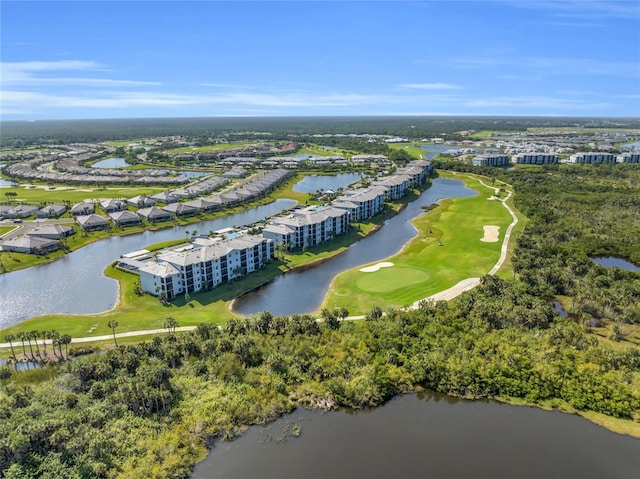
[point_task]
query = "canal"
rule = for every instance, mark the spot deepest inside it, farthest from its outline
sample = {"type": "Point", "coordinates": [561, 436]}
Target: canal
{"type": "Point", "coordinates": [302, 291]}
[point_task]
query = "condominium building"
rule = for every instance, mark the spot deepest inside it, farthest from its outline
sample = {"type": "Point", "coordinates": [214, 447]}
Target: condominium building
{"type": "Point", "coordinates": [593, 157]}
{"type": "Point", "coordinates": [490, 160]}
{"type": "Point", "coordinates": [308, 227]}
{"type": "Point", "coordinates": [535, 158]}
{"type": "Point", "coordinates": [362, 203]}
{"type": "Point", "coordinates": [204, 264]}
{"type": "Point", "coordinates": [631, 157]}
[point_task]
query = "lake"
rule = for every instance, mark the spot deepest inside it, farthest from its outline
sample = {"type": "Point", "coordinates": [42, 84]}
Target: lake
{"type": "Point", "coordinates": [313, 183]}
{"type": "Point", "coordinates": [75, 283]}
{"type": "Point", "coordinates": [302, 291]}
{"type": "Point", "coordinates": [426, 436]}
{"type": "Point", "coordinates": [611, 261]}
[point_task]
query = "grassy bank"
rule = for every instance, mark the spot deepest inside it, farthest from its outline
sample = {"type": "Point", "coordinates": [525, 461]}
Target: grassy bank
{"type": "Point", "coordinates": [446, 250]}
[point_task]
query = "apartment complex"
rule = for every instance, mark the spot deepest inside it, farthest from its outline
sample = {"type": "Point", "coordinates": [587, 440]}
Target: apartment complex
{"type": "Point", "coordinates": [535, 158]}
{"type": "Point", "coordinates": [307, 227]}
{"type": "Point", "coordinates": [593, 157]}
{"type": "Point", "coordinates": [204, 264]}
{"type": "Point", "coordinates": [490, 160]}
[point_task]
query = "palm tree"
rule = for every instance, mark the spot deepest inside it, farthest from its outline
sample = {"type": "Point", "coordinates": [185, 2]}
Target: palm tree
{"type": "Point", "coordinates": [65, 339]}
{"type": "Point", "coordinates": [34, 336]}
{"type": "Point", "coordinates": [55, 339]}
{"type": "Point", "coordinates": [10, 338]}
{"type": "Point", "coordinates": [113, 324]}
{"type": "Point", "coordinates": [171, 324]}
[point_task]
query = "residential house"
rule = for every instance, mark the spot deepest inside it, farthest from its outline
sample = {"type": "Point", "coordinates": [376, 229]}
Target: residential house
{"type": "Point", "coordinates": [125, 218]}
{"type": "Point", "coordinates": [83, 208]}
{"type": "Point", "coordinates": [154, 214]}
{"type": "Point", "coordinates": [52, 231]}
{"type": "Point", "coordinates": [30, 245]}
{"type": "Point", "coordinates": [51, 211]}
{"type": "Point", "coordinates": [180, 209]}
{"type": "Point", "coordinates": [111, 205]}
{"type": "Point", "coordinates": [92, 222]}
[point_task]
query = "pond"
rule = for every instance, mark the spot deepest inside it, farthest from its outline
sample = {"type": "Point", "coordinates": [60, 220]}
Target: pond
{"type": "Point", "coordinates": [426, 436]}
{"type": "Point", "coordinates": [303, 291]}
{"type": "Point", "coordinates": [75, 283]}
{"type": "Point", "coordinates": [313, 183]}
{"type": "Point", "coordinates": [611, 261]}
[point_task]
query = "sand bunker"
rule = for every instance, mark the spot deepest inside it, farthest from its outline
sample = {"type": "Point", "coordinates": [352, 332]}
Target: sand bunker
{"type": "Point", "coordinates": [491, 234]}
{"type": "Point", "coordinates": [376, 267]}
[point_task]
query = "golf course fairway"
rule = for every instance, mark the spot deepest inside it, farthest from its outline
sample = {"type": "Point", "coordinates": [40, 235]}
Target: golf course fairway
{"type": "Point", "coordinates": [451, 245]}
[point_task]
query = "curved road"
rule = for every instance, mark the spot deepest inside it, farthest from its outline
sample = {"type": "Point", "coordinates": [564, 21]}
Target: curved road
{"type": "Point", "coordinates": [445, 295]}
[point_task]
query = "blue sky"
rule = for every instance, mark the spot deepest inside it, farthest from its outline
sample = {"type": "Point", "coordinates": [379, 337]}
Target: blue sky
{"type": "Point", "coordinates": [88, 59]}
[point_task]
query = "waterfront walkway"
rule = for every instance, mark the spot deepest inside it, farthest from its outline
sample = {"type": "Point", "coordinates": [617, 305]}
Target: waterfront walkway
{"type": "Point", "coordinates": [446, 295]}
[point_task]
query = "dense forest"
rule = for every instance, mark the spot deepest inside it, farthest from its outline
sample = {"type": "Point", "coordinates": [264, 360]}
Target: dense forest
{"type": "Point", "coordinates": [576, 212]}
{"type": "Point", "coordinates": [15, 134]}
{"type": "Point", "coordinates": [153, 409]}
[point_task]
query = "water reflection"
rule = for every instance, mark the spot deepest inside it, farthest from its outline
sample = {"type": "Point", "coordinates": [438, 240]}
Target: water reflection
{"type": "Point", "coordinates": [302, 291]}
{"type": "Point", "coordinates": [427, 436]}
{"type": "Point", "coordinates": [613, 261]}
{"type": "Point", "coordinates": [75, 283]}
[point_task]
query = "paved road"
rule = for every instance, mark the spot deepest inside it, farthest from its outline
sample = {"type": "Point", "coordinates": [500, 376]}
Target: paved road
{"type": "Point", "coordinates": [26, 226]}
{"type": "Point", "coordinates": [445, 295]}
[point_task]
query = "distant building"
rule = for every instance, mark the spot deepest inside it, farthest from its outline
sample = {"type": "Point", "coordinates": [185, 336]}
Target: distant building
{"type": "Point", "coordinates": [490, 160]}
{"type": "Point", "coordinates": [535, 158]}
{"type": "Point", "coordinates": [593, 157]}
{"type": "Point", "coordinates": [632, 157]}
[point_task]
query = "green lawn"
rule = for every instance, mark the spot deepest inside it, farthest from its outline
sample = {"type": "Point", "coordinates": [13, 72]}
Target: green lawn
{"type": "Point", "coordinates": [421, 269]}
{"type": "Point", "coordinates": [431, 262]}
{"type": "Point", "coordinates": [413, 149]}
{"type": "Point", "coordinates": [6, 229]}
{"type": "Point", "coordinates": [219, 146]}
{"type": "Point", "coordinates": [60, 194]}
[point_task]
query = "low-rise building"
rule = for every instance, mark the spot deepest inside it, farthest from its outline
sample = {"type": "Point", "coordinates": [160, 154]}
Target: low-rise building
{"type": "Point", "coordinates": [154, 214]}
{"type": "Point", "coordinates": [490, 160]}
{"type": "Point", "coordinates": [630, 157]}
{"type": "Point", "coordinates": [205, 264]}
{"type": "Point", "coordinates": [52, 231]}
{"type": "Point", "coordinates": [307, 227]}
{"type": "Point", "coordinates": [83, 208]}
{"type": "Point", "coordinates": [51, 211]}
{"type": "Point", "coordinates": [125, 218]}
{"type": "Point", "coordinates": [535, 158]}
{"type": "Point", "coordinates": [362, 203]}
{"type": "Point", "coordinates": [92, 222]}
{"type": "Point", "coordinates": [593, 157]}
{"type": "Point", "coordinates": [30, 245]}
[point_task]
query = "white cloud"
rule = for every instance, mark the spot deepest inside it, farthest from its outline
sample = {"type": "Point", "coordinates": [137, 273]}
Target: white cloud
{"type": "Point", "coordinates": [431, 86]}
{"type": "Point", "coordinates": [43, 73]}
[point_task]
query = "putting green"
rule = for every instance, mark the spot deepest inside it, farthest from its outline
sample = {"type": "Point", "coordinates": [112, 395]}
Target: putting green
{"type": "Point", "coordinates": [447, 250]}
{"type": "Point", "coordinates": [390, 279]}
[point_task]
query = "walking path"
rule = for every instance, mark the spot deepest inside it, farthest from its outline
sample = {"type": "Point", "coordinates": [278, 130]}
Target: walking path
{"type": "Point", "coordinates": [446, 295]}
